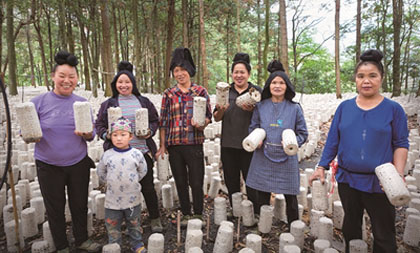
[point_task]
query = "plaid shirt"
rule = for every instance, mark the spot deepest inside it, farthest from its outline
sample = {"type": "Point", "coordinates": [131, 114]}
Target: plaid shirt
{"type": "Point", "coordinates": [176, 114]}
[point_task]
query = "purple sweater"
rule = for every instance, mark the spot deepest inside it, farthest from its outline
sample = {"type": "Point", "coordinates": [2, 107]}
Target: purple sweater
{"type": "Point", "coordinates": [59, 145]}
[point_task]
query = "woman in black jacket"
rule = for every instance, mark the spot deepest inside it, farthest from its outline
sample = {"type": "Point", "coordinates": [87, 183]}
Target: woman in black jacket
{"type": "Point", "coordinates": [126, 96]}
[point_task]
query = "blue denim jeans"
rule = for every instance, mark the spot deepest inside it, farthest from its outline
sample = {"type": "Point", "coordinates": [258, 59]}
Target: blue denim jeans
{"type": "Point", "coordinates": [114, 219]}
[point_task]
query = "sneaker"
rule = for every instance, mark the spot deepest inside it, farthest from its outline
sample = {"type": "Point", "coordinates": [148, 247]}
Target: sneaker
{"type": "Point", "coordinates": [90, 246]}
{"type": "Point", "coordinates": [184, 220]}
{"type": "Point", "coordinates": [66, 250]}
{"type": "Point", "coordinates": [200, 217]}
{"type": "Point", "coordinates": [156, 225]}
{"type": "Point", "coordinates": [140, 249]}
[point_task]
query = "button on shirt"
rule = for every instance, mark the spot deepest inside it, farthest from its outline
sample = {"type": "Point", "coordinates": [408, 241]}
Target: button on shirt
{"type": "Point", "coordinates": [176, 114]}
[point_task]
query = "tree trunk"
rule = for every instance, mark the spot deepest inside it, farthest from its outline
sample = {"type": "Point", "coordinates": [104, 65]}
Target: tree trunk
{"type": "Point", "coordinates": [238, 26]}
{"type": "Point", "coordinates": [384, 4]}
{"type": "Point", "coordinates": [70, 38]}
{"type": "Point", "coordinates": [45, 72]}
{"type": "Point", "coordinates": [267, 36]}
{"type": "Point", "coordinates": [170, 29]}
{"type": "Point", "coordinates": [284, 57]}
{"type": "Point", "coordinates": [94, 48]}
{"type": "Point", "coordinates": [259, 54]}
{"type": "Point", "coordinates": [137, 49]}
{"type": "Point", "coordinates": [107, 51]}
{"type": "Point", "coordinates": [127, 46]}
{"type": "Point", "coordinates": [62, 25]}
{"type": "Point", "coordinates": [227, 46]}
{"type": "Point", "coordinates": [203, 46]}
{"type": "Point", "coordinates": [11, 53]}
{"type": "Point", "coordinates": [397, 19]}
{"type": "Point", "coordinates": [185, 23]}
{"type": "Point", "coordinates": [114, 25]}
{"type": "Point", "coordinates": [358, 29]}
{"type": "Point", "coordinates": [48, 16]}
{"type": "Point", "coordinates": [337, 49]}
{"type": "Point", "coordinates": [31, 56]}
{"type": "Point", "coordinates": [156, 47]}
{"type": "Point", "coordinates": [85, 50]}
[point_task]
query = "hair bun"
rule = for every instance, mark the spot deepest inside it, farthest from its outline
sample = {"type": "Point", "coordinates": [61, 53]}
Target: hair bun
{"type": "Point", "coordinates": [242, 57]}
{"type": "Point", "coordinates": [372, 55]}
{"type": "Point", "coordinates": [274, 66]}
{"type": "Point", "coordinates": [125, 65]}
{"type": "Point", "coordinates": [64, 57]}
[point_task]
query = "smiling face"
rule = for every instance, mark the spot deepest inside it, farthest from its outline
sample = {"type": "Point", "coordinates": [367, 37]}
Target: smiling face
{"type": "Point", "coordinates": [124, 85]}
{"type": "Point", "coordinates": [65, 79]}
{"type": "Point", "coordinates": [278, 88]}
{"type": "Point", "coordinates": [182, 76]}
{"type": "Point", "coordinates": [240, 75]}
{"type": "Point", "coordinates": [121, 139]}
{"type": "Point", "coordinates": [368, 80]}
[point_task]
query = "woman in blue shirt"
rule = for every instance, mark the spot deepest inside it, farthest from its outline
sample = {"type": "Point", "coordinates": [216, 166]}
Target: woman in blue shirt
{"type": "Point", "coordinates": [367, 131]}
{"type": "Point", "coordinates": [271, 170]}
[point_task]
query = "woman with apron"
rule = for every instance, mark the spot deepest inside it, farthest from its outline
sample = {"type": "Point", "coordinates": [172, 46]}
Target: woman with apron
{"type": "Point", "coordinates": [271, 169]}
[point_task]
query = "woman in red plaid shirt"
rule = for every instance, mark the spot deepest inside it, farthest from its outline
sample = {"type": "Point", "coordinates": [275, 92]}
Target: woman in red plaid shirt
{"type": "Point", "coordinates": [181, 137]}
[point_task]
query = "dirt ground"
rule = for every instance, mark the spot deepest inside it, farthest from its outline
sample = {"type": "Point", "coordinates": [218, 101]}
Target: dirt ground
{"type": "Point", "coordinates": [270, 240]}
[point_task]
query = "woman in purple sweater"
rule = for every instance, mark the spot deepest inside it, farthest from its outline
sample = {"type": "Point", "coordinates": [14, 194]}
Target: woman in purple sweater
{"type": "Point", "coordinates": [58, 166]}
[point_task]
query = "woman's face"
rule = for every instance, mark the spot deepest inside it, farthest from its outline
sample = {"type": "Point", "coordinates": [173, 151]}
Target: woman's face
{"type": "Point", "coordinates": [181, 75]}
{"type": "Point", "coordinates": [240, 75]}
{"type": "Point", "coordinates": [65, 80]}
{"type": "Point", "coordinates": [368, 80]}
{"type": "Point", "coordinates": [278, 87]}
{"type": "Point", "coordinates": [124, 85]}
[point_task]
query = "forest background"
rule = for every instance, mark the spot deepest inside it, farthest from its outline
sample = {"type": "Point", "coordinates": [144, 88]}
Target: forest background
{"type": "Point", "coordinates": [103, 32]}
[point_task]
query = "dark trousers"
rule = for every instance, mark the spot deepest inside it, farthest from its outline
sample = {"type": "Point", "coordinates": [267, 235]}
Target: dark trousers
{"type": "Point", "coordinates": [53, 180]}
{"type": "Point", "coordinates": [234, 162]}
{"type": "Point", "coordinates": [381, 213]}
{"type": "Point", "coordinates": [148, 190]}
{"type": "Point", "coordinates": [260, 198]}
{"type": "Point", "coordinates": [187, 165]}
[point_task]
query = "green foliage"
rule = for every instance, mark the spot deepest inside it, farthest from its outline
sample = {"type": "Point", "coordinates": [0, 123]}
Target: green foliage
{"type": "Point", "coordinates": [315, 73]}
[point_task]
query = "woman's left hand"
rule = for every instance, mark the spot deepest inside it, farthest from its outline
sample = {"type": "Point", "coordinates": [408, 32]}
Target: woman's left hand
{"type": "Point", "coordinates": [146, 136]}
{"type": "Point", "coordinates": [248, 107]}
{"type": "Point", "coordinates": [200, 128]}
{"type": "Point", "coordinates": [86, 136]}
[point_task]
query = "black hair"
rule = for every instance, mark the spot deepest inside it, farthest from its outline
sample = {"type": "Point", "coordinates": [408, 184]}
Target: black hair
{"type": "Point", "coordinates": [276, 69]}
{"type": "Point", "coordinates": [124, 67]}
{"type": "Point", "coordinates": [64, 57]}
{"type": "Point", "coordinates": [372, 56]}
{"type": "Point", "coordinates": [241, 58]}
{"type": "Point", "coordinates": [181, 57]}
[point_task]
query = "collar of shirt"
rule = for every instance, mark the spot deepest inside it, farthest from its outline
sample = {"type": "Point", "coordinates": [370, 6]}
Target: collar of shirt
{"type": "Point", "coordinates": [179, 92]}
{"type": "Point", "coordinates": [232, 87]}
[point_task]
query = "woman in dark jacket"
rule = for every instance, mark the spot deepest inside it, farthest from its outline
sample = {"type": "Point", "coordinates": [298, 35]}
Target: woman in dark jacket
{"type": "Point", "coordinates": [235, 123]}
{"type": "Point", "coordinates": [126, 96]}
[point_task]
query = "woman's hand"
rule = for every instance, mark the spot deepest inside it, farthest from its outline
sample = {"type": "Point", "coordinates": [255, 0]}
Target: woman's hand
{"type": "Point", "coordinates": [248, 107]}
{"type": "Point", "coordinates": [86, 136]}
{"type": "Point", "coordinates": [218, 114]}
{"type": "Point", "coordinates": [31, 141]}
{"type": "Point", "coordinates": [200, 128]}
{"type": "Point", "coordinates": [222, 108]}
{"type": "Point", "coordinates": [161, 152]}
{"type": "Point", "coordinates": [146, 136]}
{"type": "Point", "coordinates": [319, 173]}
